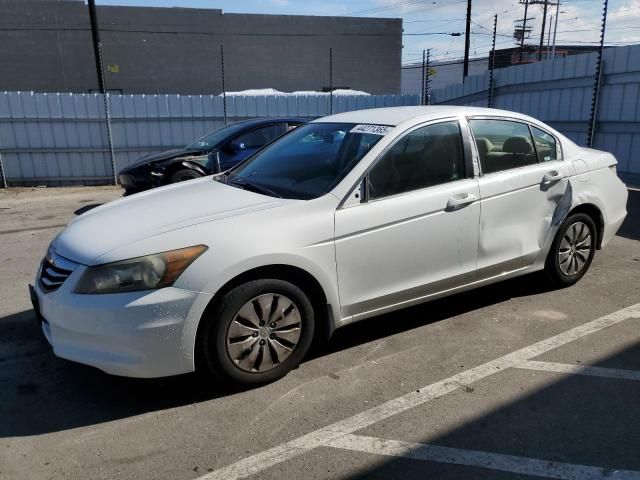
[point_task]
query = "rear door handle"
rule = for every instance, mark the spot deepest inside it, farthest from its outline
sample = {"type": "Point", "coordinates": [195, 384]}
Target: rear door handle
{"type": "Point", "coordinates": [552, 176]}
{"type": "Point", "coordinates": [460, 200]}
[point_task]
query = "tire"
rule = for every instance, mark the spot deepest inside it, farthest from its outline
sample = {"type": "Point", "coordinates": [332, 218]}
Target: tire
{"type": "Point", "coordinates": [236, 348]}
{"type": "Point", "coordinates": [183, 175]}
{"type": "Point", "coordinates": [572, 250]}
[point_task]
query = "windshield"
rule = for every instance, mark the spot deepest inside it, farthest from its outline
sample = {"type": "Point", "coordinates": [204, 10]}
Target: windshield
{"type": "Point", "coordinates": [307, 162]}
{"type": "Point", "coordinates": [212, 139]}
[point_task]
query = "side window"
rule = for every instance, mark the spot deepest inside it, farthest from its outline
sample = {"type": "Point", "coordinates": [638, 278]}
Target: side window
{"type": "Point", "coordinates": [261, 136]}
{"type": "Point", "coordinates": [503, 144]}
{"type": "Point", "coordinates": [427, 156]}
{"type": "Point", "coordinates": [545, 145]}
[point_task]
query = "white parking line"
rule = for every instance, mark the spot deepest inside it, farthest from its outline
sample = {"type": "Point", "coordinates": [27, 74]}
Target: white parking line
{"type": "Point", "coordinates": [325, 436]}
{"type": "Point", "coordinates": [473, 458]}
{"type": "Point", "coordinates": [581, 370]}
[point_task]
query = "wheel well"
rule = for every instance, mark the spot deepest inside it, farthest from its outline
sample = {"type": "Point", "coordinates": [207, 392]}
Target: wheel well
{"type": "Point", "coordinates": [297, 276]}
{"type": "Point", "coordinates": [596, 215]}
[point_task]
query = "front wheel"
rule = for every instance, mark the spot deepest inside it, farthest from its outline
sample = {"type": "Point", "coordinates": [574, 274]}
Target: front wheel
{"type": "Point", "coordinates": [257, 333]}
{"type": "Point", "coordinates": [572, 250]}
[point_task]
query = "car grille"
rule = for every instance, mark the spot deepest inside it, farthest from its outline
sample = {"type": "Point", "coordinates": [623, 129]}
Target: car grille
{"type": "Point", "coordinates": [54, 270]}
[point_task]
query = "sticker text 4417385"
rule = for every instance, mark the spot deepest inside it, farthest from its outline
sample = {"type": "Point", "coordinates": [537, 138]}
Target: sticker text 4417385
{"type": "Point", "coordinates": [373, 129]}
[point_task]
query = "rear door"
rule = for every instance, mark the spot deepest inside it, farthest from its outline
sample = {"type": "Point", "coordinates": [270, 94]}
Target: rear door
{"type": "Point", "coordinates": [524, 185]}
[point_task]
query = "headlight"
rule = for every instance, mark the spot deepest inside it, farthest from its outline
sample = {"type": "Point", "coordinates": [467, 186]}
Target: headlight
{"type": "Point", "coordinates": [140, 273]}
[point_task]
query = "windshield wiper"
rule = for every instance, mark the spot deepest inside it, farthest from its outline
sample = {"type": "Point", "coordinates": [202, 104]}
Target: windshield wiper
{"type": "Point", "coordinates": [253, 187]}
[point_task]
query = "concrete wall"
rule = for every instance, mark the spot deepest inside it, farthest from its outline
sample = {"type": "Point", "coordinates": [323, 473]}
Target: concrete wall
{"type": "Point", "coordinates": [46, 46]}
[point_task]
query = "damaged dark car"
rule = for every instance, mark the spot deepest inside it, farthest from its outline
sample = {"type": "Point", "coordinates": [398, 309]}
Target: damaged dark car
{"type": "Point", "coordinates": [214, 152]}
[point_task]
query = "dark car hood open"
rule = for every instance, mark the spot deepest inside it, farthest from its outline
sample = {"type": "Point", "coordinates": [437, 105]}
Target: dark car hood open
{"type": "Point", "coordinates": [165, 155]}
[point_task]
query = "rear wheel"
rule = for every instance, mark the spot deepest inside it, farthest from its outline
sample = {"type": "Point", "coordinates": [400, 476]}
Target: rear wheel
{"type": "Point", "coordinates": [257, 333]}
{"type": "Point", "coordinates": [572, 250]}
{"type": "Point", "coordinates": [183, 175]}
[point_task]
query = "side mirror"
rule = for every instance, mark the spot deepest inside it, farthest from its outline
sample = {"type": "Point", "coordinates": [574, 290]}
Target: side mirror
{"type": "Point", "coordinates": [237, 146]}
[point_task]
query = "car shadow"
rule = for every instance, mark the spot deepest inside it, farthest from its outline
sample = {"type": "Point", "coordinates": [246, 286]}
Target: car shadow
{"type": "Point", "coordinates": [410, 318]}
{"type": "Point", "coordinates": [86, 208]}
{"type": "Point", "coordinates": [40, 393]}
{"type": "Point", "coordinates": [631, 226]}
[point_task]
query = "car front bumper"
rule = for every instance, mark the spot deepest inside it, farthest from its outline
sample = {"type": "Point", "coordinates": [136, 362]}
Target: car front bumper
{"type": "Point", "coordinates": [138, 334]}
{"type": "Point", "coordinates": [137, 179]}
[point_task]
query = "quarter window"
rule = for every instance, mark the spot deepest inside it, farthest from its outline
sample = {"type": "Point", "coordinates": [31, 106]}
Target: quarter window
{"type": "Point", "coordinates": [545, 145]}
{"type": "Point", "coordinates": [503, 144]}
{"type": "Point", "coordinates": [428, 156]}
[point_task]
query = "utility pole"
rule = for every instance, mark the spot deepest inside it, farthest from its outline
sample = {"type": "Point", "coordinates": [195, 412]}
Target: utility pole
{"type": "Point", "coordinates": [597, 77]}
{"type": "Point", "coordinates": [546, 57]}
{"type": "Point", "coordinates": [467, 43]}
{"type": "Point", "coordinates": [544, 22]}
{"type": "Point", "coordinates": [524, 29]}
{"type": "Point", "coordinates": [493, 60]}
{"type": "Point", "coordinates": [555, 30]}
{"type": "Point", "coordinates": [97, 46]}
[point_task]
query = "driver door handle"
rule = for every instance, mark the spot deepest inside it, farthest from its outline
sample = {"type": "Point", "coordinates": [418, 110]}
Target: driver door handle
{"type": "Point", "coordinates": [552, 176]}
{"type": "Point", "coordinates": [458, 201]}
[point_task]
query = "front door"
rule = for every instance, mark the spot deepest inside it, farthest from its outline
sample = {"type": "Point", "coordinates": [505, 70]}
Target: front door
{"type": "Point", "coordinates": [417, 232]}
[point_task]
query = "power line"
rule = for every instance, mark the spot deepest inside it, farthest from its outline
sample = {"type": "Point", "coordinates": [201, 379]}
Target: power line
{"type": "Point", "coordinates": [393, 6]}
{"type": "Point", "coordinates": [453, 34]}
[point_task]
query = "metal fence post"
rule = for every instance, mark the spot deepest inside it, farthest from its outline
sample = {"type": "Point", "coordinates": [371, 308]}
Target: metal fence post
{"type": "Point", "coordinates": [422, 78]}
{"type": "Point", "coordinates": [2, 175]}
{"type": "Point", "coordinates": [493, 61]}
{"type": "Point", "coordinates": [330, 81]}
{"type": "Point", "coordinates": [224, 90]}
{"type": "Point", "coordinates": [427, 79]}
{"type": "Point", "coordinates": [597, 79]}
{"type": "Point", "coordinates": [107, 113]}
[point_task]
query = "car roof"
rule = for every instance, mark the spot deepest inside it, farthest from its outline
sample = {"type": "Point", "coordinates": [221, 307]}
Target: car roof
{"type": "Point", "coordinates": [256, 122]}
{"type": "Point", "coordinates": [394, 116]}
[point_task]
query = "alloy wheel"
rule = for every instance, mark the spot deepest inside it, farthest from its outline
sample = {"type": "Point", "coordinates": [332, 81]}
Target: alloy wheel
{"type": "Point", "coordinates": [264, 332]}
{"type": "Point", "coordinates": [575, 249]}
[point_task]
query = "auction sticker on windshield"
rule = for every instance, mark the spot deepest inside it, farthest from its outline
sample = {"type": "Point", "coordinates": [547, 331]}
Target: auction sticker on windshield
{"type": "Point", "coordinates": [374, 129]}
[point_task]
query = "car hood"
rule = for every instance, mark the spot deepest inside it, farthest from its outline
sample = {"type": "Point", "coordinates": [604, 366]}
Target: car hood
{"type": "Point", "coordinates": [140, 216]}
{"type": "Point", "coordinates": [162, 156]}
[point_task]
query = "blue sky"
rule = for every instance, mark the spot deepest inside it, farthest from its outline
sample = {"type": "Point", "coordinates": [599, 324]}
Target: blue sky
{"type": "Point", "coordinates": [579, 20]}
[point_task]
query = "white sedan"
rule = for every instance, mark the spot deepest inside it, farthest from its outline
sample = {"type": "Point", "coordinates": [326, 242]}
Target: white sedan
{"type": "Point", "coordinates": [342, 219]}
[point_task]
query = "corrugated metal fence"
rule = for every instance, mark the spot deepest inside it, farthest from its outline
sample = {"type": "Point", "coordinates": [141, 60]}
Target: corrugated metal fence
{"type": "Point", "coordinates": [60, 139]}
{"type": "Point", "coordinates": [559, 93]}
